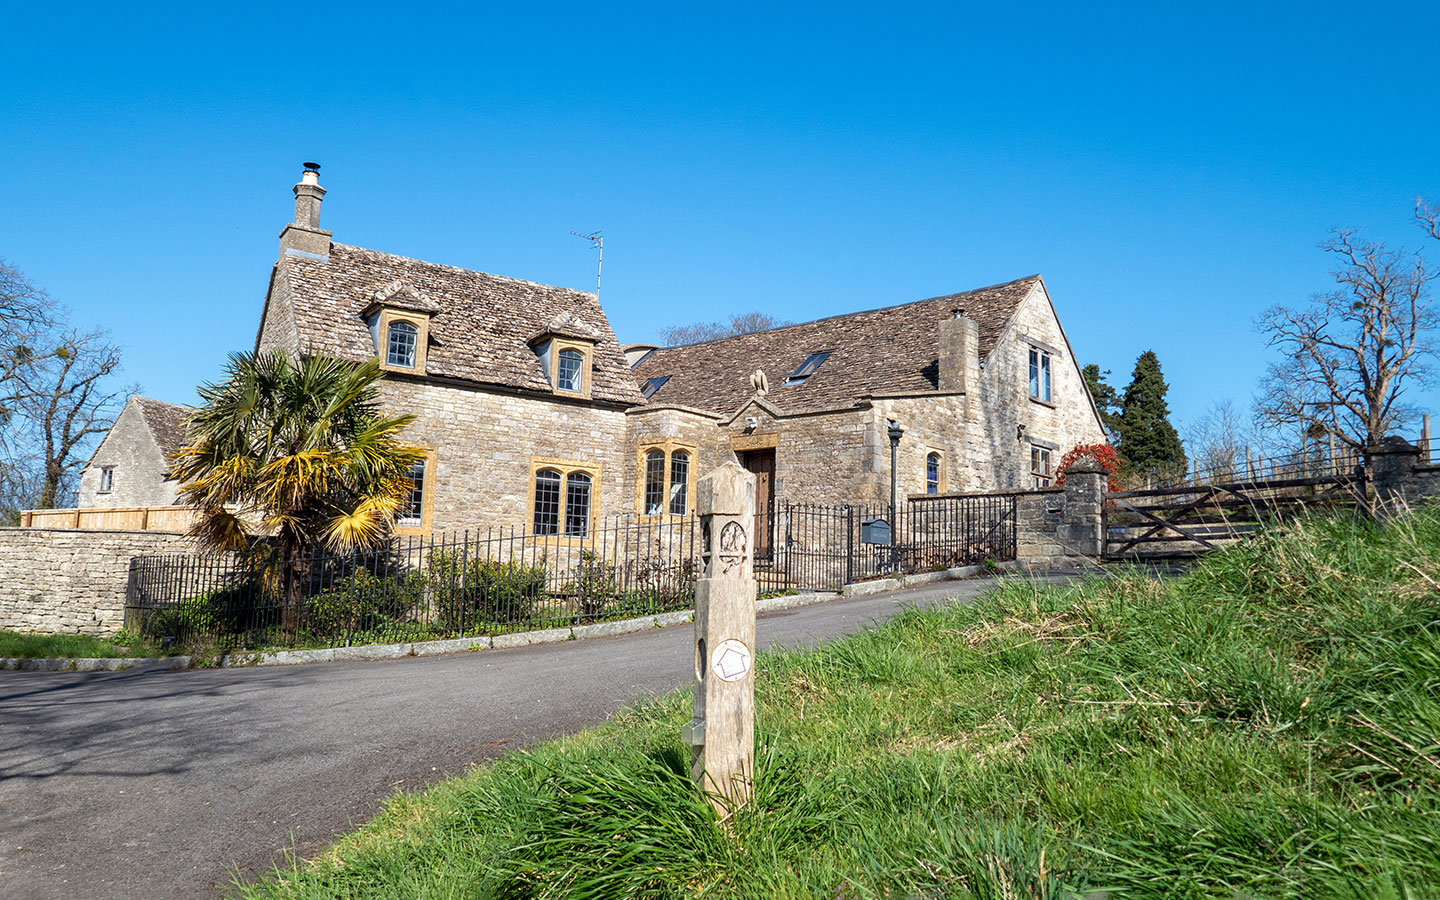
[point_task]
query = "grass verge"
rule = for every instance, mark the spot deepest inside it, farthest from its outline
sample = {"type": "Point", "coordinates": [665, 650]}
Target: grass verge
{"type": "Point", "coordinates": [1267, 726]}
{"type": "Point", "coordinates": [52, 646]}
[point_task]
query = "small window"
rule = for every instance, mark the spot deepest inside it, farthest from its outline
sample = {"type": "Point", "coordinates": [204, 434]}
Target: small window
{"type": "Point", "coordinates": [547, 502]}
{"type": "Point", "coordinates": [654, 482]}
{"type": "Point", "coordinates": [1040, 472]}
{"type": "Point", "coordinates": [577, 505]}
{"type": "Point", "coordinates": [413, 511]}
{"type": "Point", "coordinates": [1039, 374]}
{"type": "Point", "coordinates": [932, 473]}
{"type": "Point", "coordinates": [679, 478]}
{"type": "Point", "coordinates": [569, 371]}
{"type": "Point", "coordinates": [652, 385]}
{"type": "Point", "coordinates": [807, 368]}
{"type": "Point", "coordinates": [107, 479]}
{"type": "Point", "coordinates": [401, 342]}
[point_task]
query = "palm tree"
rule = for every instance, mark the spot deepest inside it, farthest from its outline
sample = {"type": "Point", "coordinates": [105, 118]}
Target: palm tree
{"type": "Point", "coordinates": [299, 448]}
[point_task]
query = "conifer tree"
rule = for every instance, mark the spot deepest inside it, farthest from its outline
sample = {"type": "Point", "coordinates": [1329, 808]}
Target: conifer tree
{"type": "Point", "coordinates": [1148, 442]}
{"type": "Point", "coordinates": [1107, 401]}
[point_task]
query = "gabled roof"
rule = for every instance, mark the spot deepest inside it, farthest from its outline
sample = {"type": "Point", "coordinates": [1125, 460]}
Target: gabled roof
{"type": "Point", "coordinates": [479, 331]}
{"type": "Point", "coordinates": [891, 350]}
{"type": "Point", "coordinates": [166, 421]}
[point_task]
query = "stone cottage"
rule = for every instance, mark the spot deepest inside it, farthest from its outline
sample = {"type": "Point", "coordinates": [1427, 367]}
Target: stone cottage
{"type": "Point", "coordinates": [131, 467]}
{"type": "Point", "coordinates": [531, 412]}
{"type": "Point", "coordinates": [983, 384]}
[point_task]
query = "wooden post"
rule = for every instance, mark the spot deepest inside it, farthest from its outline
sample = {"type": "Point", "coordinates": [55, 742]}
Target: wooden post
{"type": "Point", "coordinates": [1249, 466]}
{"type": "Point", "coordinates": [1425, 440]}
{"type": "Point", "coordinates": [722, 733]}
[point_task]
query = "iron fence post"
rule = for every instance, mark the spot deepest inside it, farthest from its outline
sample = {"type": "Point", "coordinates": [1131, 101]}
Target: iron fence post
{"type": "Point", "coordinates": [849, 544]}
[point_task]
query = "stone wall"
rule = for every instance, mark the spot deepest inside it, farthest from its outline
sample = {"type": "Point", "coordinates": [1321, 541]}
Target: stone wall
{"type": "Point", "coordinates": [71, 582]}
{"type": "Point", "coordinates": [1062, 527]}
{"type": "Point", "coordinates": [487, 444]}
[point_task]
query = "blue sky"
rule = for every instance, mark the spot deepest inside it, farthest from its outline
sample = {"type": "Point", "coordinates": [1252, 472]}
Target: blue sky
{"type": "Point", "coordinates": [1168, 170]}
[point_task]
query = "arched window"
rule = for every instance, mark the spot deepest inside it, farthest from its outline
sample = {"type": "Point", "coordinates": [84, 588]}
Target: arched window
{"type": "Point", "coordinates": [569, 371]}
{"type": "Point", "coordinates": [679, 479]}
{"type": "Point", "coordinates": [577, 504]}
{"type": "Point", "coordinates": [547, 502]}
{"type": "Point", "coordinates": [932, 473]}
{"type": "Point", "coordinates": [401, 341]}
{"type": "Point", "coordinates": [654, 482]}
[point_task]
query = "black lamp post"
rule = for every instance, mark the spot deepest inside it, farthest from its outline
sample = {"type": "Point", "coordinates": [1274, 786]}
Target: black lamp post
{"type": "Point", "coordinates": [895, 432]}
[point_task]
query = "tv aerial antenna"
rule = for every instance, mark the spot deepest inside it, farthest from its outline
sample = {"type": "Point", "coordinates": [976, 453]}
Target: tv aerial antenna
{"type": "Point", "coordinates": [597, 242]}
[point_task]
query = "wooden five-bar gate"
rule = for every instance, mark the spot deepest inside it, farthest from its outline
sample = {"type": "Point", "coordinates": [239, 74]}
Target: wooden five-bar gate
{"type": "Point", "coordinates": [1187, 520]}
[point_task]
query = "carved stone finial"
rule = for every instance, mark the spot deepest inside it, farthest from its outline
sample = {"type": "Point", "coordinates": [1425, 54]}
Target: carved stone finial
{"type": "Point", "coordinates": [759, 383]}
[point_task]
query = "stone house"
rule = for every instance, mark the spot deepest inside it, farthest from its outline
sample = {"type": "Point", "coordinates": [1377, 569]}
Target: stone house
{"type": "Point", "coordinates": [531, 412]}
{"type": "Point", "coordinates": [131, 467]}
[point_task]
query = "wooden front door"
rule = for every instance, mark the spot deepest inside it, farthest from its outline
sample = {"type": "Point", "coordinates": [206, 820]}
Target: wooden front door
{"type": "Point", "coordinates": [762, 464]}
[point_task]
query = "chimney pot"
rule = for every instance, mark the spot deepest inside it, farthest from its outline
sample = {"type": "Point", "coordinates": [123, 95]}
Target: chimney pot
{"type": "Point", "coordinates": [304, 234]}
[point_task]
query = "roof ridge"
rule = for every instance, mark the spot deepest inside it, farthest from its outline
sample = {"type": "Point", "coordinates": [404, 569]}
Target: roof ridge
{"type": "Point", "coordinates": [858, 312]}
{"type": "Point", "coordinates": [426, 262]}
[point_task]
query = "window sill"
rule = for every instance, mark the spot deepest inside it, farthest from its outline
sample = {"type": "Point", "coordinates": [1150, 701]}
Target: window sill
{"type": "Point", "coordinates": [1045, 403]}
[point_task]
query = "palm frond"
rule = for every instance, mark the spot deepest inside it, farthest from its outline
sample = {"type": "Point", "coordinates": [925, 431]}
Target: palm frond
{"type": "Point", "coordinates": [219, 529]}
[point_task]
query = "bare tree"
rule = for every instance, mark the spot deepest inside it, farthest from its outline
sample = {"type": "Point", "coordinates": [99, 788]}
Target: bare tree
{"type": "Point", "coordinates": [1216, 442]}
{"type": "Point", "coordinates": [1351, 353]}
{"type": "Point", "coordinates": [26, 316]}
{"type": "Point", "coordinates": [700, 332]}
{"type": "Point", "coordinates": [63, 402]}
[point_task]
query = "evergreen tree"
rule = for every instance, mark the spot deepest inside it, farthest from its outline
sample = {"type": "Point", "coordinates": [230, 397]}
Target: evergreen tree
{"type": "Point", "coordinates": [1148, 442]}
{"type": "Point", "coordinates": [1107, 401]}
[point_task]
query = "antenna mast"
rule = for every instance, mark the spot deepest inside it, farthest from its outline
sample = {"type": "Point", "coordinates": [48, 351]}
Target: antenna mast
{"type": "Point", "coordinates": [597, 242]}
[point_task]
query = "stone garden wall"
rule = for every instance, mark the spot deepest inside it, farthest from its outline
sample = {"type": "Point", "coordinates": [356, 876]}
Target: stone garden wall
{"type": "Point", "coordinates": [71, 582]}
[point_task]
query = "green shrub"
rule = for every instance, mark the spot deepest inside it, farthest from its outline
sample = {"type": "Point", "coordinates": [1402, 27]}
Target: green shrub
{"type": "Point", "coordinates": [363, 603]}
{"type": "Point", "coordinates": [473, 593]}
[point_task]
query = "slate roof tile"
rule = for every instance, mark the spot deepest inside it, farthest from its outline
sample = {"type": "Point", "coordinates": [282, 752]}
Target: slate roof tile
{"type": "Point", "coordinates": [166, 421]}
{"type": "Point", "coordinates": [889, 350]}
{"type": "Point", "coordinates": [479, 333]}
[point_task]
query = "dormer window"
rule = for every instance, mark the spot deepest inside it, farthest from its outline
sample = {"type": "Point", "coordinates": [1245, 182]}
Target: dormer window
{"type": "Point", "coordinates": [807, 368]}
{"type": "Point", "coordinates": [569, 370]}
{"type": "Point", "coordinates": [566, 350]}
{"type": "Point", "coordinates": [402, 340]}
{"type": "Point", "coordinates": [399, 321]}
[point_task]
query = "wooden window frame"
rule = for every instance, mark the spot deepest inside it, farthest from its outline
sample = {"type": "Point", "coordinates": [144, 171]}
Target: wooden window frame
{"type": "Point", "coordinates": [668, 447]}
{"type": "Point", "coordinates": [420, 322]}
{"type": "Point", "coordinates": [427, 503]}
{"type": "Point", "coordinates": [107, 480]}
{"type": "Point", "coordinates": [566, 468]}
{"type": "Point", "coordinates": [1048, 476]}
{"type": "Point", "coordinates": [587, 363]}
{"type": "Point", "coordinates": [1044, 366]}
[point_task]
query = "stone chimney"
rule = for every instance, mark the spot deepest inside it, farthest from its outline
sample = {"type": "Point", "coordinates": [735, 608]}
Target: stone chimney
{"type": "Point", "coordinates": [959, 354]}
{"type": "Point", "coordinates": [304, 237]}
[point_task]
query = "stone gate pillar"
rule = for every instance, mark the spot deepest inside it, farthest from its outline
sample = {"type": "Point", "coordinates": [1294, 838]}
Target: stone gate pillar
{"type": "Point", "coordinates": [1082, 526]}
{"type": "Point", "coordinates": [722, 733]}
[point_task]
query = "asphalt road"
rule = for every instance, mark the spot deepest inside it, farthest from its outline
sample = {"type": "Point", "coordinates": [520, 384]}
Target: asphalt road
{"type": "Point", "coordinates": [161, 785]}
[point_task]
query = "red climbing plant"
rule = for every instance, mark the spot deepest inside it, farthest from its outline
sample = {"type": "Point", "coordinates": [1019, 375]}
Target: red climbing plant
{"type": "Point", "coordinates": [1104, 454]}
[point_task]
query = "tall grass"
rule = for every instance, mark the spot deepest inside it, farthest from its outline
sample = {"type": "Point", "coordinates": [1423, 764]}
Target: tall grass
{"type": "Point", "coordinates": [1267, 726]}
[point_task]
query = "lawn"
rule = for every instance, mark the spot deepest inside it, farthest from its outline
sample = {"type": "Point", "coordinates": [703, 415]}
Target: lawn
{"type": "Point", "coordinates": [49, 646]}
{"type": "Point", "coordinates": [1267, 726]}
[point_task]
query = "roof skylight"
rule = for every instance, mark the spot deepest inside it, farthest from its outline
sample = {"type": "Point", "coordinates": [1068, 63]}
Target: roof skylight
{"type": "Point", "coordinates": [807, 368]}
{"type": "Point", "coordinates": [652, 385]}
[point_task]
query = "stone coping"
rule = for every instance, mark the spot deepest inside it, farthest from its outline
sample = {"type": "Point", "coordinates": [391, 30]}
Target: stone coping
{"type": "Point", "coordinates": [468, 644]}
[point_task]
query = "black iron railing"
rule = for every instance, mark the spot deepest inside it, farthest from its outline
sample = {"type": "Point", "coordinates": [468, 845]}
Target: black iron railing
{"type": "Point", "coordinates": [509, 579]}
